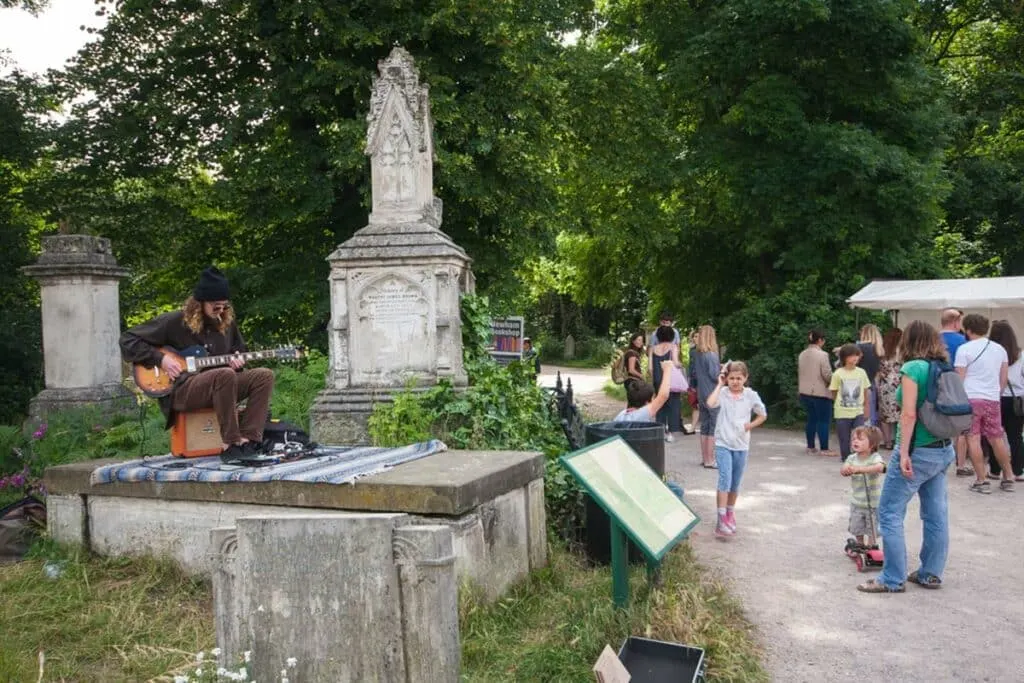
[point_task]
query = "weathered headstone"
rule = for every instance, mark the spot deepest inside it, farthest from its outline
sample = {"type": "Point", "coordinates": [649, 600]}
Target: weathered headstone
{"type": "Point", "coordinates": [395, 285]}
{"type": "Point", "coordinates": [570, 347]}
{"type": "Point", "coordinates": [78, 277]}
{"type": "Point", "coordinates": [351, 598]}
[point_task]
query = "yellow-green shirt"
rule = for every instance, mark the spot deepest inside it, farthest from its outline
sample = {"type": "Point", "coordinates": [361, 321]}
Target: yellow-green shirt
{"type": "Point", "coordinates": [850, 387]}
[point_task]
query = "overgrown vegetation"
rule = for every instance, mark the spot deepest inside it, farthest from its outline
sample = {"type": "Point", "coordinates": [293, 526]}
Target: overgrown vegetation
{"type": "Point", "coordinates": [129, 620]}
{"type": "Point", "coordinates": [112, 620]}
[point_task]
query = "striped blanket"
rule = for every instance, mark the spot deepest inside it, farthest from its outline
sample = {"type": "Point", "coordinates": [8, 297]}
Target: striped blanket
{"type": "Point", "coordinates": [328, 465]}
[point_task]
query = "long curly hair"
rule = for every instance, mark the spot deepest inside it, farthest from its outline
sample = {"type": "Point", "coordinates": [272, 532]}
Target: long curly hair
{"type": "Point", "coordinates": [192, 312]}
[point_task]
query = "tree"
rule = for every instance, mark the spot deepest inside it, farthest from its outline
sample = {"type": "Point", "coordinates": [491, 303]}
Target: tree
{"type": "Point", "coordinates": [267, 101]}
{"type": "Point", "coordinates": [979, 46]}
{"type": "Point", "coordinates": [813, 145]}
{"type": "Point", "coordinates": [20, 330]}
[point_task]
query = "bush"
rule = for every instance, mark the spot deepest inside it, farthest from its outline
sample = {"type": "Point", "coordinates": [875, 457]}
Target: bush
{"type": "Point", "coordinates": [501, 409]}
{"type": "Point", "coordinates": [296, 386]}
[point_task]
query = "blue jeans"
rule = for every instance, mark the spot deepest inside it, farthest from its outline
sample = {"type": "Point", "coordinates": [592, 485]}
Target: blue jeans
{"type": "Point", "coordinates": [819, 419]}
{"type": "Point", "coordinates": [929, 483]}
{"type": "Point", "coordinates": [730, 468]}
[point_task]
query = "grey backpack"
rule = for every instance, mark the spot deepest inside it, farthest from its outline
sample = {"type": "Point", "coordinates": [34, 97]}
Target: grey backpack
{"type": "Point", "coordinates": [946, 411]}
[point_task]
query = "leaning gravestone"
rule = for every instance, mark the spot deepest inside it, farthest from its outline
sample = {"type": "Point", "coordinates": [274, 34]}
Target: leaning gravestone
{"type": "Point", "coordinates": [395, 285]}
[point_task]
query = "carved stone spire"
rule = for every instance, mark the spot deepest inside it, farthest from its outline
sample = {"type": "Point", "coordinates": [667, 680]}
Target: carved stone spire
{"type": "Point", "coordinates": [399, 143]}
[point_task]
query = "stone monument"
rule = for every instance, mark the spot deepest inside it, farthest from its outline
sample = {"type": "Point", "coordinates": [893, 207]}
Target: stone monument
{"type": "Point", "coordinates": [78, 277]}
{"type": "Point", "coordinates": [359, 597]}
{"type": "Point", "coordinates": [395, 285]}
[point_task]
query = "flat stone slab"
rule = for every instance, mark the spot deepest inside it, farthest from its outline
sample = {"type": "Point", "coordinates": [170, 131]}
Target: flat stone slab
{"type": "Point", "coordinates": [449, 483]}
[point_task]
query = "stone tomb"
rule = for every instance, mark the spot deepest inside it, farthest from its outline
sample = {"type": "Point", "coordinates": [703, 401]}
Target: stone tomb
{"type": "Point", "coordinates": [363, 597]}
{"type": "Point", "coordinates": [493, 502]}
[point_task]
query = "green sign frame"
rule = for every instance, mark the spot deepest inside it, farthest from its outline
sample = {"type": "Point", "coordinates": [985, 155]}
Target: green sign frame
{"type": "Point", "coordinates": [654, 518]}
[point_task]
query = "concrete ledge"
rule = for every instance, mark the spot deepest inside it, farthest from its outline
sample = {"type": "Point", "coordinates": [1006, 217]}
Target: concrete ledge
{"type": "Point", "coordinates": [450, 483]}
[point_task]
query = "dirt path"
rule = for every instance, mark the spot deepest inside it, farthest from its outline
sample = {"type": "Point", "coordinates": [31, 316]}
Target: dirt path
{"type": "Point", "coordinates": [587, 385]}
{"type": "Point", "coordinates": [787, 567]}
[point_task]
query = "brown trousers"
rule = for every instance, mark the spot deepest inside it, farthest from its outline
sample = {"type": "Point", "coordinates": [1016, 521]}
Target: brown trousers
{"type": "Point", "coordinates": [222, 389]}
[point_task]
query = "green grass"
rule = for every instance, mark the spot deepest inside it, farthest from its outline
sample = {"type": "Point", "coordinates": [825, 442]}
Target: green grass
{"type": "Point", "coordinates": [120, 620]}
{"type": "Point", "coordinates": [578, 362]}
{"type": "Point", "coordinates": [613, 390]}
{"type": "Point", "coordinates": [553, 627]}
{"type": "Point", "coordinates": [108, 620]}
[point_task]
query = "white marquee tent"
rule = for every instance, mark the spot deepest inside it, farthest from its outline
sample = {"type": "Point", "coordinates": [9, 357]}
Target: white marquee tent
{"type": "Point", "coordinates": [994, 297]}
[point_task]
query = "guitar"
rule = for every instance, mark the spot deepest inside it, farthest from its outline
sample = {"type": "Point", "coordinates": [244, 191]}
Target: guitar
{"type": "Point", "coordinates": [154, 382]}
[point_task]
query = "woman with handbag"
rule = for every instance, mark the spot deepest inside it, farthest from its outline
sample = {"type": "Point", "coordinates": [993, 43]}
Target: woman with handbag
{"type": "Point", "coordinates": [1011, 404]}
{"type": "Point", "coordinates": [667, 349]}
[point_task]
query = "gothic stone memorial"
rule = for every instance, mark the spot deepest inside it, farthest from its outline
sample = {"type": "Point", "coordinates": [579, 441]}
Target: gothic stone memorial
{"type": "Point", "coordinates": [395, 285]}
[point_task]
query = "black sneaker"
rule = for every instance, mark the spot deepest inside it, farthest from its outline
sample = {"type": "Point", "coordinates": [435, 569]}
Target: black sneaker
{"type": "Point", "coordinates": [232, 453]}
{"type": "Point", "coordinates": [252, 448]}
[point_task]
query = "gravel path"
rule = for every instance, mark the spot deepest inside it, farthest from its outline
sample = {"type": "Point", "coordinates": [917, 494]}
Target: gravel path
{"type": "Point", "coordinates": [788, 568]}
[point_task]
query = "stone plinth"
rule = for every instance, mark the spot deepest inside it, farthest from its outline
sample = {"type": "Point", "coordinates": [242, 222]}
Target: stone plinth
{"type": "Point", "coordinates": [358, 598]}
{"type": "Point", "coordinates": [395, 285]}
{"type": "Point", "coordinates": [493, 502]}
{"type": "Point", "coordinates": [78, 277]}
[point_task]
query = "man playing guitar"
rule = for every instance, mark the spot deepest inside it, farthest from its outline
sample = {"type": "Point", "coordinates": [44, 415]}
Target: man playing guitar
{"type": "Point", "coordinates": [206, 320]}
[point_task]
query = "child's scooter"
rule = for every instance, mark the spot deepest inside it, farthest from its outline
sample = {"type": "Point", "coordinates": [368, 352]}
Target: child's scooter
{"type": "Point", "coordinates": [866, 556]}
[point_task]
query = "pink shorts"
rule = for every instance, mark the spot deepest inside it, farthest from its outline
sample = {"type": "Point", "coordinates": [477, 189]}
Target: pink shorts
{"type": "Point", "coordinates": [986, 419]}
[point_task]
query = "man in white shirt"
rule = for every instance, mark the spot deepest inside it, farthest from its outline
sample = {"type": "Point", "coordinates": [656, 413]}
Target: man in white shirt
{"type": "Point", "coordinates": [983, 365]}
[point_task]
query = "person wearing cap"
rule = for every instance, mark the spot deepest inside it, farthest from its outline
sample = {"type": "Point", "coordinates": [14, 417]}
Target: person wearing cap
{"type": "Point", "coordinates": [206, 319]}
{"type": "Point", "coordinates": [531, 357]}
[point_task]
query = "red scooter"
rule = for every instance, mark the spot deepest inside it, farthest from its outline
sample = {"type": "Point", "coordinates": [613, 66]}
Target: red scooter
{"type": "Point", "coordinates": [866, 556]}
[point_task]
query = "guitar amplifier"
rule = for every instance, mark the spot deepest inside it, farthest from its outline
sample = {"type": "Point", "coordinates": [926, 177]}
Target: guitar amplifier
{"type": "Point", "coordinates": [195, 434]}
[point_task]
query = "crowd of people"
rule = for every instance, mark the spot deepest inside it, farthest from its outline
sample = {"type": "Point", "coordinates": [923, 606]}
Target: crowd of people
{"type": "Point", "coordinates": [724, 409]}
{"type": "Point", "coordinates": [871, 393]}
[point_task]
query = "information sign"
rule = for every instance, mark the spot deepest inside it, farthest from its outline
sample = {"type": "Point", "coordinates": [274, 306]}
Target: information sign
{"type": "Point", "coordinates": [632, 495]}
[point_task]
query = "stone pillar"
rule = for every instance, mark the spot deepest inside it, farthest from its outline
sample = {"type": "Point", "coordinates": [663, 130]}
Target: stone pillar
{"type": "Point", "coordinates": [395, 285]}
{"type": "Point", "coordinates": [430, 617]}
{"type": "Point", "coordinates": [78, 277]}
{"type": "Point", "coordinates": [227, 623]}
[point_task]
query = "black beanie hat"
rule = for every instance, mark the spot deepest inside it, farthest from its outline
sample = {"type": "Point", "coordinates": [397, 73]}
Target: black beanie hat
{"type": "Point", "coordinates": [212, 286]}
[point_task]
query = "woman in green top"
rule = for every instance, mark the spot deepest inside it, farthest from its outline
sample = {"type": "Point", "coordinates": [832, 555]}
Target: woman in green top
{"type": "Point", "coordinates": [917, 465]}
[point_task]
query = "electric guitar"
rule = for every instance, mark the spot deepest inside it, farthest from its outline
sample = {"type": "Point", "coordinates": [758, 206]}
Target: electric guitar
{"type": "Point", "coordinates": [155, 382]}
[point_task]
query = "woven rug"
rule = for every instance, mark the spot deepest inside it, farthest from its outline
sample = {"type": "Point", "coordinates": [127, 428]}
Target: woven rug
{"type": "Point", "coordinates": [327, 465]}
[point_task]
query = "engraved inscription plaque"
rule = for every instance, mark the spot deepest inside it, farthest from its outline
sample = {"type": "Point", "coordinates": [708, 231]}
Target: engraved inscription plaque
{"type": "Point", "coordinates": [393, 320]}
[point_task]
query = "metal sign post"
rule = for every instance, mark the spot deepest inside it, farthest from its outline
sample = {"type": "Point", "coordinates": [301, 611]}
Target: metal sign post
{"type": "Point", "coordinates": [638, 503]}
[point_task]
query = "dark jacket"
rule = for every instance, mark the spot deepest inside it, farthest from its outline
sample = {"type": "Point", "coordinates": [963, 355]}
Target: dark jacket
{"type": "Point", "coordinates": [141, 343]}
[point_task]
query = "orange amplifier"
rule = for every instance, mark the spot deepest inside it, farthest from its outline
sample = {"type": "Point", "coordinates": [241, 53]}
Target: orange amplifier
{"type": "Point", "coordinates": [195, 434]}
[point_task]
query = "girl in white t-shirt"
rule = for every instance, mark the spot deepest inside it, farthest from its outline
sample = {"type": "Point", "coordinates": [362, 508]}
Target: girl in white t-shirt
{"type": "Point", "coordinates": [732, 437]}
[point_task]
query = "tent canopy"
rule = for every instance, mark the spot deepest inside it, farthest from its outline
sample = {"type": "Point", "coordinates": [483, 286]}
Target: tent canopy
{"type": "Point", "coordinates": [993, 297]}
{"type": "Point", "coordinates": [934, 295]}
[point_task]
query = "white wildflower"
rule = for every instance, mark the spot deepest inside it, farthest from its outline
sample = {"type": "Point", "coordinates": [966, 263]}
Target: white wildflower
{"type": "Point", "coordinates": [243, 675]}
{"type": "Point", "coordinates": [199, 657]}
{"type": "Point", "coordinates": [284, 676]}
{"type": "Point", "coordinates": [260, 609]}
{"type": "Point", "coordinates": [199, 672]}
{"type": "Point", "coordinates": [221, 672]}
{"type": "Point", "coordinates": [181, 679]}
{"type": "Point", "coordinates": [247, 655]}
{"type": "Point", "coordinates": [291, 662]}
{"type": "Point", "coordinates": [215, 652]}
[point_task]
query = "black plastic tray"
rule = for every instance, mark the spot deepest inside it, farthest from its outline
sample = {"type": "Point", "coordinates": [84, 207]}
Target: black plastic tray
{"type": "Point", "coordinates": [656, 661]}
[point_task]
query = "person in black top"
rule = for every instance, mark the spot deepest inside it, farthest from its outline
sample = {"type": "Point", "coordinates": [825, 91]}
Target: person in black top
{"type": "Point", "coordinates": [206, 319]}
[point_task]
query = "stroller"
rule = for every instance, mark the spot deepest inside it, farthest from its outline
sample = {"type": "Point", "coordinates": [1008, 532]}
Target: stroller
{"type": "Point", "coordinates": [866, 556]}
